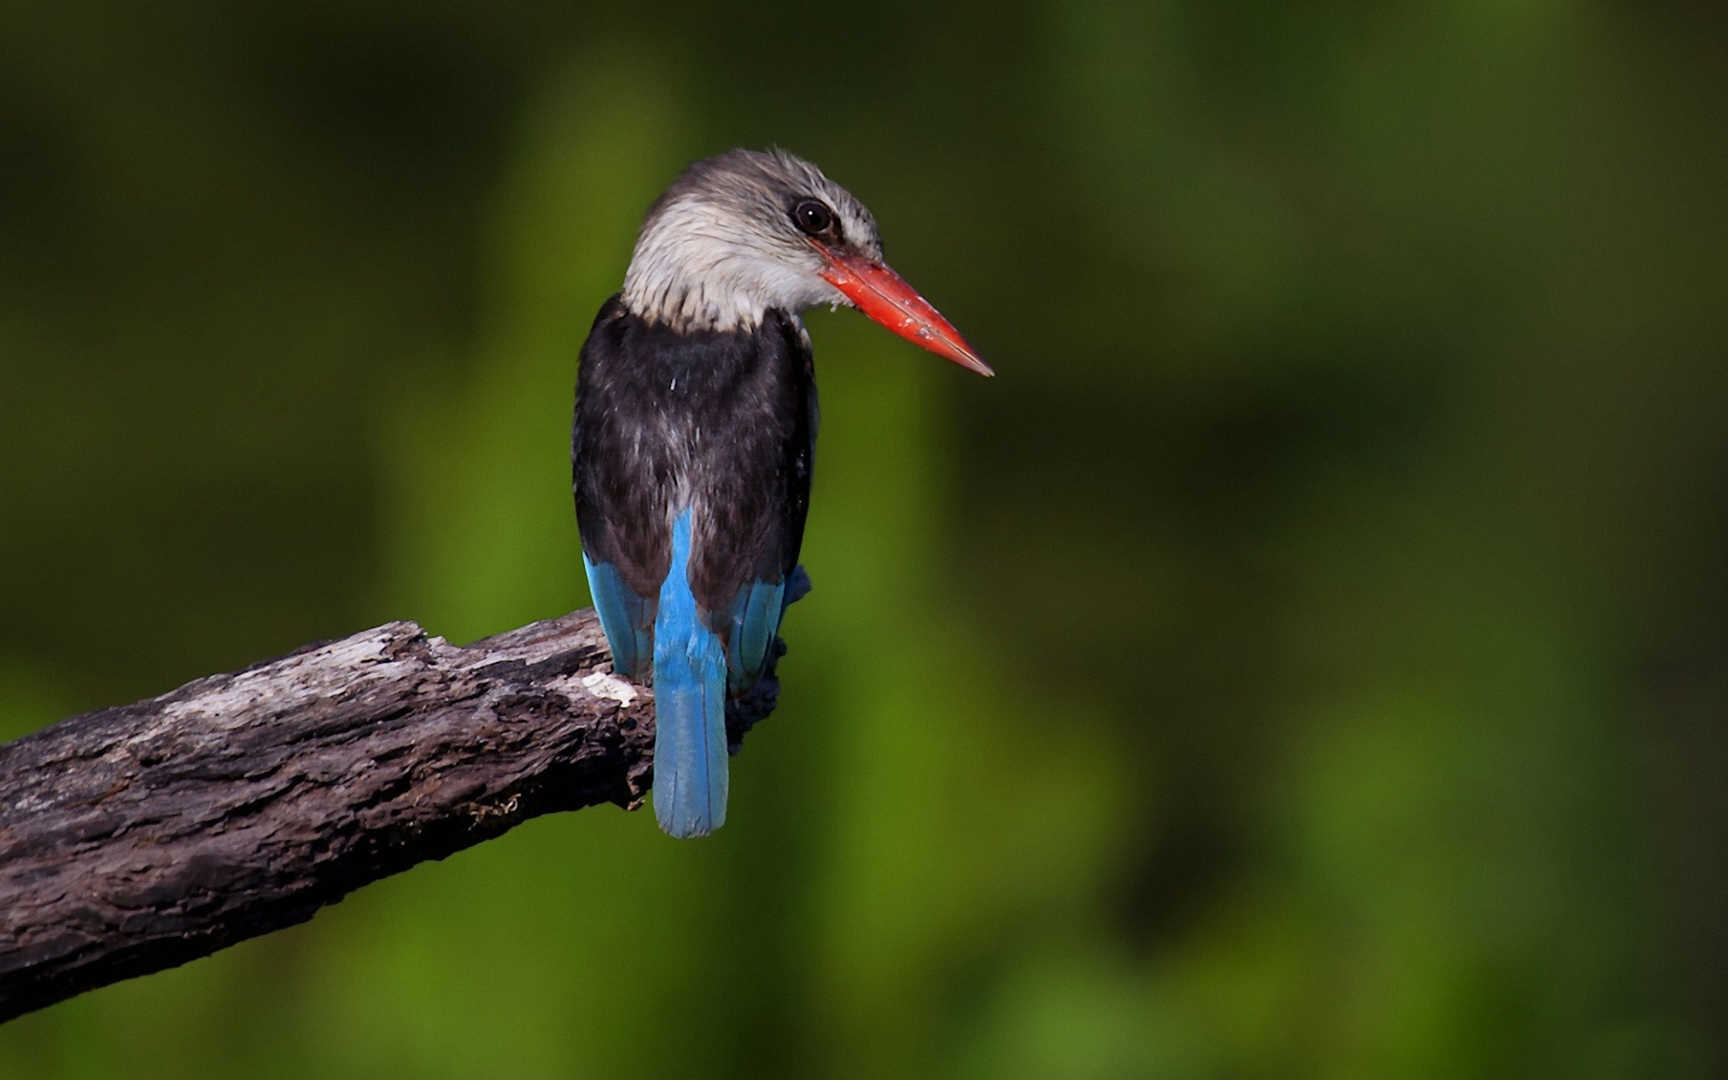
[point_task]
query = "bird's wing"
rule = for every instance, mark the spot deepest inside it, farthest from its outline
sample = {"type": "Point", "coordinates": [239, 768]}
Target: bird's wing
{"type": "Point", "coordinates": [755, 620]}
{"type": "Point", "coordinates": [627, 619]}
{"type": "Point", "coordinates": [759, 500]}
{"type": "Point", "coordinates": [622, 519]}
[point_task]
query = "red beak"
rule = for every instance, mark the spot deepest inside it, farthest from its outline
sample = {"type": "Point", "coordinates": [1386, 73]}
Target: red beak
{"type": "Point", "coordinates": [881, 294]}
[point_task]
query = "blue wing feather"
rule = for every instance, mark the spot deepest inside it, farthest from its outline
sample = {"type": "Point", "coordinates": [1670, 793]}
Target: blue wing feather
{"type": "Point", "coordinates": [755, 619]}
{"type": "Point", "coordinates": [627, 618]}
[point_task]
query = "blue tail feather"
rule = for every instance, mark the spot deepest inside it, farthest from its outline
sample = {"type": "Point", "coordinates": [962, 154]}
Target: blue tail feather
{"type": "Point", "coordinates": [690, 781]}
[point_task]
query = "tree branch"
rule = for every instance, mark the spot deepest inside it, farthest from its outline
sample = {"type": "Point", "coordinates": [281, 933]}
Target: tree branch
{"type": "Point", "coordinates": [139, 837]}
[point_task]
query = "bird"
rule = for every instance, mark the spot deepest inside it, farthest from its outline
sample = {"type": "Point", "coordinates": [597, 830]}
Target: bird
{"type": "Point", "coordinates": [694, 438]}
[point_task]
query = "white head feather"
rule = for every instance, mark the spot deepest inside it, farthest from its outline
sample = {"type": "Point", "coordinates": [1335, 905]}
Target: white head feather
{"type": "Point", "coordinates": [719, 247]}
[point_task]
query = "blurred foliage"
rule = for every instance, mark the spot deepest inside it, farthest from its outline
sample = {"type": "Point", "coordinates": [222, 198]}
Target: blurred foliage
{"type": "Point", "coordinates": [1306, 659]}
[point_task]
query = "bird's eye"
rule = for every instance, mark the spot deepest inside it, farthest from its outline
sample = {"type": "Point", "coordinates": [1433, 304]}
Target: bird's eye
{"type": "Point", "coordinates": [811, 217]}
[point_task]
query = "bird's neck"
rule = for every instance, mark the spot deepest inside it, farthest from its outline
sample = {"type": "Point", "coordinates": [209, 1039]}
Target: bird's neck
{"type": "Point", "coordinates": [689, 304]}
{"type": "Point", "coordinates": [688, 274]}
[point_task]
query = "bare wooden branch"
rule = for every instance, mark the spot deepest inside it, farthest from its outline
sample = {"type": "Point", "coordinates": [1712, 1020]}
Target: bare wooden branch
{"type": "Point", "coordinates": [139, 837]}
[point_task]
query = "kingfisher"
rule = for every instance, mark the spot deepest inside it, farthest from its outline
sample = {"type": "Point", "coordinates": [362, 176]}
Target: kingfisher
{"type": "Point", "coordinates": [695, 437]}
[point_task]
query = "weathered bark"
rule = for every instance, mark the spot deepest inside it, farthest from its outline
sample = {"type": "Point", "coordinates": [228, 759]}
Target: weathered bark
{"type": "Point", "coordinates": [139, 837]}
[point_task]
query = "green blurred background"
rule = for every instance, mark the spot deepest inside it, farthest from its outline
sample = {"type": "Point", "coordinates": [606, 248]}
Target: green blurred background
{"type": "Point", "coordinates": [1305, 659]}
